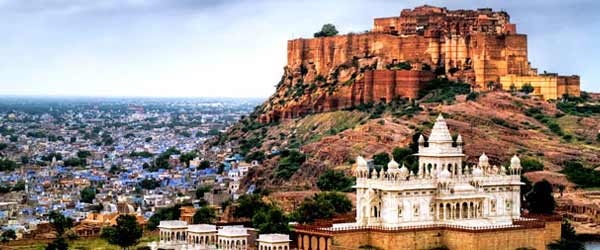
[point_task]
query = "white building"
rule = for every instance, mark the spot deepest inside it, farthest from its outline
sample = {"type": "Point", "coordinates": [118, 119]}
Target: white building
{"type": "Point", "coordinates": [178, 235]}
{"type": "Point", "coordinates": [273, 242]}
{"type": "Point", "coordinates": [442, 191]}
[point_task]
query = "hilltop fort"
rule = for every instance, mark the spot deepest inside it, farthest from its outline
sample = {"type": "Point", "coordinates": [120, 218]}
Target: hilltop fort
{"type": "Point", "coordinates": [400, 55]}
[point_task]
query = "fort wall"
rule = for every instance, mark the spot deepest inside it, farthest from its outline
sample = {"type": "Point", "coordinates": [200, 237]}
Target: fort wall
{"type": "Point", "coordinates": [473, 46]}
{"type": "Point", "coordinates": [485, 239]}
{"type": "Point", "coordinates": [548, 86]}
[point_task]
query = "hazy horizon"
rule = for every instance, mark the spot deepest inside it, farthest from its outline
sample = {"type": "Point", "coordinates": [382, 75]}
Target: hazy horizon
{"type": "Point", "coordinates": [235, 49]}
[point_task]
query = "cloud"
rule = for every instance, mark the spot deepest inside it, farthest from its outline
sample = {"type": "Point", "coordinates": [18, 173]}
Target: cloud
{"type": "Point", "coordinates": [230, 48]}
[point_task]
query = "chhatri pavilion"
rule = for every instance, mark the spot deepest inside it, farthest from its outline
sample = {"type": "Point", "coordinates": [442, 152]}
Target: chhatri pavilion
{"type": "Point", "coordinates": [441, 191]}
{"type": "Point", "coordinates": [442, 204]}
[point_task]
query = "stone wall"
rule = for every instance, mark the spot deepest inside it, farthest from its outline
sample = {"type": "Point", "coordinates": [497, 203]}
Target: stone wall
{"type": "Point", "coordinates": [549, 86]}
{"type": "Point", "coordinates": [418, 239]}
{"type": "Point", "coordinates": [490, 56]}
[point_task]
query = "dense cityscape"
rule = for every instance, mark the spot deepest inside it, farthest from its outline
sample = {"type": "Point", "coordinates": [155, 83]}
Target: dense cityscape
{"type": "Point", "coordinates": [82, 155]}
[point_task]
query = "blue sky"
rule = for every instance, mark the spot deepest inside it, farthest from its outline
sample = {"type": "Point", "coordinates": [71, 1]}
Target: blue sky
{"type": "Point", "coordinates": [232, 48]}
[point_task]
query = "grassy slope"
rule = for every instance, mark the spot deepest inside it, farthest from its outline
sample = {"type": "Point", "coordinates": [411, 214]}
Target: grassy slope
{"type": "Point", "coordinates": [496, 123]}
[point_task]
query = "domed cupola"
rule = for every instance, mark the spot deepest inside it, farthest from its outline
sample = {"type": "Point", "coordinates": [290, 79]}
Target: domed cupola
{"type": "Point", "coordinates": [392, 169]}
{"type": "Point", "coordinates": [484, 163]}
{"type": "Point", "coordinates": [445, 174]}
{"type": "Point", "coordinates": [515, 165]}
{"type": "Point", "coordinates": [477, 172]}
{"type": "Point", "coordinates": [393, 166]}
{"type": "Point", "coordinates": [362, 168]}
{"type": "Point", "coordinates": [404, 171]}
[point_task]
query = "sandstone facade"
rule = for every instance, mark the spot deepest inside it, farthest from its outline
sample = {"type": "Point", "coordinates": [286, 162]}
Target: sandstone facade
{"type": "Point", "coordinates": [549, 86]}
{"type": "Point", "coordinates": [531, 235]}
{"type": "Point", "coordinates": [474, 46]}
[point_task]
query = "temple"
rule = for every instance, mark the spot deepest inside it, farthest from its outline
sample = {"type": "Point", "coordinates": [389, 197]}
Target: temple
{"type": "Point", "coordinates": [442, 204]}
{"type": "Point", "coordinates": [441, 192]}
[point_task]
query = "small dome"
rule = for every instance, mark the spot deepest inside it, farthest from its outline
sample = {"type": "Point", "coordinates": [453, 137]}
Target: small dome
{"type": "Point", "coordinates": [515, 162]}
{"type": "Point", "coordinates": [483, 158]}
{"type": "Point", "coordinates": [459, 140]}
{"type": "Point", "coordinates": [477, 172]}
{"type": "Point", "coordinates": [421, 139]}
{"type": "Point", "coordinates": [445, 174]}
{"type": "Point", "coordinates": [502, 170]}
{"type": "Point", "coordinates": [403, 169]}
{"type": "Point", "coordinates": [361, 162]}
{"type": "Point", "coordinates": [392, 165]}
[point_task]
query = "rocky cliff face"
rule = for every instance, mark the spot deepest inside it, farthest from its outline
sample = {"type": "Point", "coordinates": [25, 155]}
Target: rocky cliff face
{"type": "Point", "coordinates": [332, 73]}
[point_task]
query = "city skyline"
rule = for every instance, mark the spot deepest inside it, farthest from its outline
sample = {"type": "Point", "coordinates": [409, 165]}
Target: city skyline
{"type": "Point", "coordinates": [153, 48]}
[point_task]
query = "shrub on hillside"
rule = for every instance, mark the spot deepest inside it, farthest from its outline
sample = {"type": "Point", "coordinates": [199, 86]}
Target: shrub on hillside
{"type": "Point", "coordinates": [324, 205]}
{"type": "Point", "coordinates": [333, 180]}
{"type": "Point", "coordinates": [443, 90]}
{"type": "Point", "coordinates": [289, 163]}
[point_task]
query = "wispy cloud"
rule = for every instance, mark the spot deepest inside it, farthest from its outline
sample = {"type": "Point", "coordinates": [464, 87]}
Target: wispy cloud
{"type": "Point", "coordinates": [231, 48]}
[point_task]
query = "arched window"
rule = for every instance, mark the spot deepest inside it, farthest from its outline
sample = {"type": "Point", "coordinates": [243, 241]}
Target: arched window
{"type": "Point", "coordinates": [400, 211]}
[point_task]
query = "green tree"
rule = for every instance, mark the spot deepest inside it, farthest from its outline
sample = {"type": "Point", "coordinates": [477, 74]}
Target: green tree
{"type": "Point", "coordinates": [74, 162]}
{"type": "Point", "coordinates": [248, 205]}
{"type": "Point", "coordinates": [205, 215]}
{"type": "Point", "coordinates": [201, 190]}
{"type": "Point", "coordinates": [381, 160]}
{"type": "Point", "coordinates": [289, 163]}
{"type": "Point", "coordinates": [126, 233]}
{"type": "Point", "coordinates": [271, 221]}
{"type": "Point", "coordinates": [513, 88]}
{"type": "Point", "coordinates": [88, 194]}
{"type": "Point", "coordinates": [149, 183]}
{"type": "Point", "coordinates": [84, 154]}
{"type": "Point", "coordinates": [169, 213]}
{"type": "Point", "coordinates": [7, 165]}
{"type": "Point", "coordinates": [24, 159]}
{"type": "Point", "coordinates": [327, 30]}
{"type": "Point", "coordinates": [526, 88]}
{"type": "Point", "coordinates": [598, 137]}
{"type": "Point", "coordinates": [400, 155]}
{"type": "Point", "coordinates": [8, 235]}
{"type": "Point", "coordinates": [256, 156]}
{"type": "Point", "coordinates": [540, 199]}
{"type": "Point", "coordinates": [568, 239]}
{"type": "Point", "coordinates": [530, 165]}
{"type": "Point", "coordinates": [58, 244]}
{"type": "Point", "coordinates": [60, 222]}
{"type": "Point", "coordinates": [333, 180]}
{"type": "Point", "coordinates": [204, 164]}
{"type": "Point", "coordinates": [185, 158]}
{"type": "Point", "coordinates": [324, 205]}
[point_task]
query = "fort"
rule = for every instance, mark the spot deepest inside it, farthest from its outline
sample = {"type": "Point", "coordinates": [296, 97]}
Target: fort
{"type": "Point", "coordinates": [481, 47]}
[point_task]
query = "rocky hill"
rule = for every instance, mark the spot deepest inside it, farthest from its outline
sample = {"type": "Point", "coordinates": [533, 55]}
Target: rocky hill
{"type": "Point", "coordinates": [497, 123]}
{"type": "Point", "coordinates": [363, 94]}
